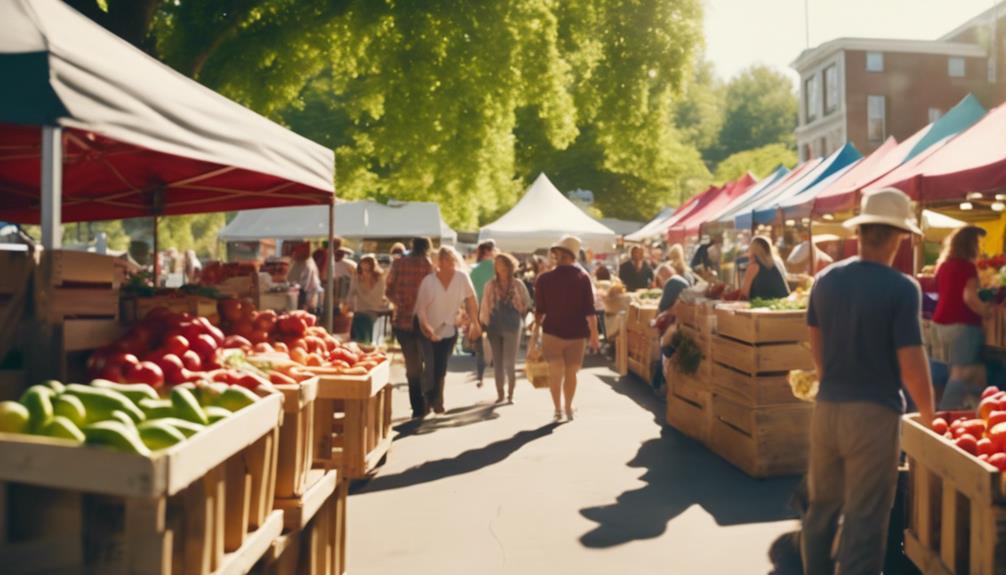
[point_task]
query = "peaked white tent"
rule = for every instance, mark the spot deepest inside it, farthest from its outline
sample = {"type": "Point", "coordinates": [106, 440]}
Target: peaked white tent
{"type": "Point", "coordinates": [543, 216]}
{"type": "Point", "coordinates": [365, 219]}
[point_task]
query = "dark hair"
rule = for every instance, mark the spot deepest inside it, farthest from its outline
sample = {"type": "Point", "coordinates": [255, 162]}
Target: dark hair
{"type": "Point", "coordinates": [420, 246]}
{"type": "Point", "coordinates": [486, 247]}
{"type": "Point", "coordinates": [962, 243]}
{"type": "Point", "coordinates": [369, 258]}
{"type": "Point", "coordinates": [876, 235]}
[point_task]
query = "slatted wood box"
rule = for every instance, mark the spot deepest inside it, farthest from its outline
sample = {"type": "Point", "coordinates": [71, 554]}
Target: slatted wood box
{"type": "Point", "coordinates": [762, 390]}
{"type": "Point", "coordinates": [317, 546]}
{"type": "Point", "coordinates": [957, 507]}
{"type": "Point", "coordinates": [203, 506]}
{"type": "Point", "coordinates": [761, 326]}
{"type": "Point", "coordinates": [689, 405]}
{"type": "Point", "coordinates": [353, 420]}
{"type": "Point", "coordinates": [766, 441]}
{"type": "Point", "coordinates": [297, 442]}
{"type": "Point", "coordinates": [133, 309]}
{"type": "Point", "coordinates": [761, 358]}
{"type": "Point", "coordinates": [70, 284]}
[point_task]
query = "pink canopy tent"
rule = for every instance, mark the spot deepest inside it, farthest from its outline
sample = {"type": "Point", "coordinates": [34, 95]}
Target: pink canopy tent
{"type": "Point", "coordinates": [973, 161]}
{"type": "Point", "coordinates": [692, 223]}
{"type": "Point", "coordinates": [841, 194]}
{"type": "Point", "coordinates": [690, 206]}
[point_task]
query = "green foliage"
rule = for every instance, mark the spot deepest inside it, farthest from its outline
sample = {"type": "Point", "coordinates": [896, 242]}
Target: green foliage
{"type": "Point", "coordinates": [698, 112]}
{"type": "Point", "coordinates": [85, 233]}
{"type": "Point", "coordinates": [760, 109]}
{"type": "Point", "coordinates": [760, 162]}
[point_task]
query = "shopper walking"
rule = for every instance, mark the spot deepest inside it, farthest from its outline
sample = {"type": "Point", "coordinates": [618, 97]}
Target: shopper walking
{"type": "Point", "coordinates": [866, 339]}
{"type": "Point", "coordinates": [957, 321]}
{"type": "Point", "coordinates": [504, 305]}
{"type": "Point", "coordinates": [636, 272]}
{"type": "Point", "coordinates": [442, 295]}
{"type": "Point", "coordinates": [406, 274]}
{"type": "Point", "coordinates": [765, 277]}
{"type": "Point", "coordinates": [366, 298]}
{"type": "Point", "coordinates": [564, 309]}
{"type": "Point", "coordinates": [481, 273]}
{"type": "Point", "coordinates": [304, 273]}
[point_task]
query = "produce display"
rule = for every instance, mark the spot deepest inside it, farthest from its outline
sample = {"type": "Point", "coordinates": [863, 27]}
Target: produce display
{"type": "Point", "coordinates": [648, 295]}
{"type": "Point", "coordinates": [982, 434]}
{"type": "Point", "coordinates": [797, 300]}
{"type": "Point", "coordinates": [133, 418]}
{"type": "Point", "coordinates": [687, 354]}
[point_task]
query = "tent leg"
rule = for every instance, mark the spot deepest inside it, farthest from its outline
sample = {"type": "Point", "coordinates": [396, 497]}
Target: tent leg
{"type": "Point", "coordinates": [813, 256]}
{"type": "Point", "coordinates": [329, 269]}
{"type": "Point", "coordinates": [918, 244]}
{"type": "Point", "coordinates": [52, 187]}
{"type": "Point", "coordinates": [157, 258]}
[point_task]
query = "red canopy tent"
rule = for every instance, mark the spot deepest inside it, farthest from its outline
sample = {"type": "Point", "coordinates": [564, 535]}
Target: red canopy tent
{"type": "Point", "coordinates": [841, 195]}
{"type": "Point", "coordinates": [691, 205]}
{"type": "Point", "coordinates": [692, 223]}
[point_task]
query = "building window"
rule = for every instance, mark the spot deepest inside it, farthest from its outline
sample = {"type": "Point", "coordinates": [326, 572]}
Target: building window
{"type": "Point", "coordinates": [955, 67]}
{"type": "Point", "coordinates": [934, 114]}
{"type": "Point", "coordinates": [810, 98]}
{"type": "Point", "coordinates": [874, 61]}
{"type": "Point", "coordinates": [876, 129]}
{"type": "Point", "coordinates": [823, 143]}
{"type": "Point", "coordinates": [830, 89]}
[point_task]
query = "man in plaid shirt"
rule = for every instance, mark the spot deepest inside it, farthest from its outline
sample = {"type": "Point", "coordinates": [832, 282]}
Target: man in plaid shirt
{"type": "Point", "coordinates": [403, 286]}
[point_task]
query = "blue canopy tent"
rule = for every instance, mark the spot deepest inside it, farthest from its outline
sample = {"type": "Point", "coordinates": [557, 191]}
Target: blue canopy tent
{"type": "Point", "coordinates": [743, 215]}
{"type": "Point", "coordinates": [766, 209]}
{"type": "Point", "coordinates": [754, 191]}
{"type": "Point", "coordinates": [744, 204]}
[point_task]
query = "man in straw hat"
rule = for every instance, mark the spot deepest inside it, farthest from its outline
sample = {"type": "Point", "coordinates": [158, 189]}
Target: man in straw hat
{"type": "Point", "coordinates": [866, 338]}
{"type": "Point", "coordinates": [564, 308]}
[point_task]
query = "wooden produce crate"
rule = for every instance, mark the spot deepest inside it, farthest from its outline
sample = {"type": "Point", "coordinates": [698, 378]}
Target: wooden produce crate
{"type": "Point", "coordinates": [318, 547]}
{"type": "Point", "coordinates": [995, 327]}
{"type": "Point", "coordinates": [761, 358]}
{"type": "Point", "coordinates": [956, 504]}
{"type": "Point", "coordinates": [133, 309]}
{"type": "Point", "coordinates": [761, 326]}
{"type": "Point", "coordinates": [699, 315]}
{"type": "Point", "coordinates": [70, 284]}
{"type": "Point", "coordinates": [764, 441]}
{"type": "Point", "coordinates": [16, 271]}
{"type": "Point", "coordinates": [297, 442]}
{"type": "Point", "coordinates": [60, 350]}
{"type": "Point", "coordinates": [689, 405]}
{"type": "Point", "coordinates": [752, 390]}
{"type": "Point", "coordinates": [203, 506]}
{"type": "Point", "coordinates": [353, 420]}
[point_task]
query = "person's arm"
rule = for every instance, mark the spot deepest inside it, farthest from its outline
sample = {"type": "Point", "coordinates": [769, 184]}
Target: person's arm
{"type": "Point", "coordinates": [523, 296]}
{"type": "Point", "coordinates": [472, 308]}
{"type": "Point", "coordinates": [972, 300]}
{"type": "Point", "coordinates": [391, 284]}
{"type": "Point", "coordinates": [486, 298]}
{"type": "Point", "coordinates": [816, 351]}
{"type": "Point", "coordinates": [595, 338]}
{"type": "Point", "coordinates": [749, 277]}
{"type": "Point", "coordinates": [917, 380]}
{"type": "Point", "coordinates": [423, 300]}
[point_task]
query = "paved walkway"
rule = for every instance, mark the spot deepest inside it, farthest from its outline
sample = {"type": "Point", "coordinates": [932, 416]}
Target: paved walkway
{"type": "Point", "coordinates": [490, 489]}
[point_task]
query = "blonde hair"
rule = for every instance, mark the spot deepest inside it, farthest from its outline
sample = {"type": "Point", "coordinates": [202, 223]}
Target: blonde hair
{"type": "Point", "coordinates": [449, 251]}
{"type": "Point", "coordinates": [676, 257]}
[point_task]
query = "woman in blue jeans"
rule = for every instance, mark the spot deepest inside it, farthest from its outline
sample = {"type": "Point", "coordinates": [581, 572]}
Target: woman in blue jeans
{"type": "Point", "coordinates": [505, 302]}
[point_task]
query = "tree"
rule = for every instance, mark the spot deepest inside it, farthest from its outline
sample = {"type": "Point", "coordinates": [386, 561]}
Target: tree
{"type": "Point", "coordinates": [760, 109]}
{"type": "Point", "coordinates": [698, 111]}
{"type": "Point", "coordinates": [760, 162]}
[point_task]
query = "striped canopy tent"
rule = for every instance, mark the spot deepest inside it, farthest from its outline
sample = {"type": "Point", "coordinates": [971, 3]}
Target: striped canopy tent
{"type": "Point", "coordinates": [653, 228]}
{"type": "Point", "coordinates": [744, 204]}
{"type": "Point", "coordinates": [691, 225]}
{"type": "Point", "coordinates": [743, 216]}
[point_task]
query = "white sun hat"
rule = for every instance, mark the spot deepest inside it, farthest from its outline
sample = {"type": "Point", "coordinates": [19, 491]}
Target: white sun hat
{"type": "Point", "coordinates": [888, 206]}
{"type": "Point", "coordinates": [569, 243]}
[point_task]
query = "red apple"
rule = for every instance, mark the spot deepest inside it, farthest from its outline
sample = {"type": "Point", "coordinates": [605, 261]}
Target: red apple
{"type": "Point", "coordinates": [192, 361]}
{"type": "Point", "coordinates": [205, 346]}
{"type": "Point", "coordinates": [146, 372]}
{"type": "Point", "coordinates": [172, 369]}
{"type": "Point", "coordinates": [176, 344]}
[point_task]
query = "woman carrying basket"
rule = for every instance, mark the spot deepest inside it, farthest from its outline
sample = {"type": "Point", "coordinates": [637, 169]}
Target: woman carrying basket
{"type": "Point", "coordinates": [505, 302]}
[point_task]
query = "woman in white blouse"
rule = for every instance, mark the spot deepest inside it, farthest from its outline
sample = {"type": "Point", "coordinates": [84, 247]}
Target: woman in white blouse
{"type": "Point", "coordinates": [442, 295]}
{"type": "Point", "coordinates": [366, 298]}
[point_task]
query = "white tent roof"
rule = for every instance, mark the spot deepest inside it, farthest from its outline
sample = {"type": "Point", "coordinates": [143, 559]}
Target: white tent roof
{"type": "Point", "coordinates": [653, 228]}
{"type": "Point", "coordinates": [356, 220]}
{"type": "Point", "coordinates": [541, 217]}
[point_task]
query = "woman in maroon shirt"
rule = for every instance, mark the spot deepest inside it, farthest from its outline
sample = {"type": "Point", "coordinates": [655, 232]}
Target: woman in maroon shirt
{"type": "Point", "coordinates": [957, 322]}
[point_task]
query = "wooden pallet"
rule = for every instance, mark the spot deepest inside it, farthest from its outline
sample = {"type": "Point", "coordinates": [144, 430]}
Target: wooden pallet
{"type": "Point", "coordinates": [761, 326]}
{"type": "Point", "coordinates": [297, 442]}
{"type": "Point", "coordinates": [766, 441]}
{"type": "Point", "coordinates": [318, 548]}
{"type": "Point", "coordinates": [203, 506]}
{"type": "Point", "coordinates": [957, 507]}
{"type": "Point", "coordinates": [752, 390]}
{"type": "Point", "coordinates": [689, 405]}
{"type": "Point", "coordinates": [353, 421]}
{"type": "Point", "coordinates": [762, 358]}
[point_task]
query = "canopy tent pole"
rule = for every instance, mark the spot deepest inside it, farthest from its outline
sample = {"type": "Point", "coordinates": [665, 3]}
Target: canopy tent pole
{"type": "Point", "coordinates": [813, 248]}
{"type": "Point", "coordinates": [918, 243]}
{"type": "Point", "coordinates": [52, 187]}
{"type": "Point", "coordinates": [330, 268]}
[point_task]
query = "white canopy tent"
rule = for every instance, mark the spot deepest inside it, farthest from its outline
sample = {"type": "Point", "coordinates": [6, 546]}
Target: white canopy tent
{"type": "Point", "coordinates": [353, 220]}
{"type": "Point", "coordinates": [543, 216]}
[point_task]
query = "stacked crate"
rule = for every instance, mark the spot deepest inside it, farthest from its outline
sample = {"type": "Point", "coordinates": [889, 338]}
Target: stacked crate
{"type": "Point", "coordinates": [757, 424]}
{"type": "Point", "coordinates": [642, 340]}
{"type": "Point", "coordinates": [689, 396]}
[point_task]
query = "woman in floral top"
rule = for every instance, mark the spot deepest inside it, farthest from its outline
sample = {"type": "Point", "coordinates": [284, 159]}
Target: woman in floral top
{"type": "Point", "coordinates": [505, 302]}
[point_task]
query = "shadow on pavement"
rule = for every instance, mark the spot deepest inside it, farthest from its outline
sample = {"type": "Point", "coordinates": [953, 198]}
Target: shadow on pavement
{"type": "Point", "coordinates": [466, 462]}
{"type": "Point", "coordinates": [457, 417]}
{"type": "Point", "coordinates": [679, 473]}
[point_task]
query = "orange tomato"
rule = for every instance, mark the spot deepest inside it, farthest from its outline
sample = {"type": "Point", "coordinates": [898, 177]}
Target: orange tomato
{"type": "Point", "coordinates": [299, 355]}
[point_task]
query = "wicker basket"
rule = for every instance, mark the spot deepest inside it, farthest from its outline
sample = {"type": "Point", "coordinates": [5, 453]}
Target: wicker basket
{"type": "Point", "coordinates": [535, 365]}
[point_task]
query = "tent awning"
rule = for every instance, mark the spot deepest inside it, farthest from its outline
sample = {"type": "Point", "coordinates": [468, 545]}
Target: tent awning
{"type": "Point", "coordinates": [752, 192]}
{"type": "Point", "coordinates": [139, 139]}
{"type": "Point", "coordinates": [653, 228]}
{"type": "Point", "coordinates": [541, 217]}
{"type": "Point", "coordinates": [840, 194]}
{"type": "Point", "coordinates": [353, 220]}
{"type": "Point", "coordinates": [691, 224]}
{"type": "Point", "coordinates": [743, 215]}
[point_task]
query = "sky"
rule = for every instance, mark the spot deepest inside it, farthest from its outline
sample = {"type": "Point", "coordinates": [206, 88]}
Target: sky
{"type": "Point", "coordinates": [740, 33]}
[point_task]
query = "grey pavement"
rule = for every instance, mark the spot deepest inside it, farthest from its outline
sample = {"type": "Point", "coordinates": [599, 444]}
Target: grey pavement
{"type": "Point", "coordinates": [503, 489]}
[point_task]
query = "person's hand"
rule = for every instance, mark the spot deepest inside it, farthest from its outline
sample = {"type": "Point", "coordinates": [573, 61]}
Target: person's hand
{"type": "Point", "coordinates": [926, 417]}
{"type": "Point", "coordinates": [595, 343]}
{"type": "Point", "coordinates": [475, 332]}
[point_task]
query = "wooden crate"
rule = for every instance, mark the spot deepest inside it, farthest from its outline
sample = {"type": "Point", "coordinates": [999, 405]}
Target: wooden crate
{"type": "Point", "coordinates": [957, 507]}
{"type": "Point", "coordinates": [761, 326]}
{"type": "Point", "coordinates": [762, 358]}
{"type": "Point", "coordinates": [16, 270]}
{"type": "Point", "coordinates": [60, 350]}
{"type": "Point", "coordinates": [317, 548]}
{"type": "Point", "coordinates": [752, 390]}
{"type": "Point", "coordinates": [765, 441]}
{"type": "Point", "coordinates": [203, 506]}
{"type": "Point", "coordinates": [133, 309]}
{"type": "Point", "coordinates": [689, 408]}
{"type": "Point", "coordinates": [297, 443]}
{"type": "Point", "coordinates": [353, 420]}
{"type": "Point", "coordinates": [71, 284]}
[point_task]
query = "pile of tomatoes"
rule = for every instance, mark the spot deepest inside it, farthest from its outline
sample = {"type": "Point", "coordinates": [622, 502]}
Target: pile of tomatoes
{"type": "Point", "coordinates": [982, 434]}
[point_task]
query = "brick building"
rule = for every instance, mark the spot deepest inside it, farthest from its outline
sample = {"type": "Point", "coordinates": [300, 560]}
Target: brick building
{"type": "Point", "coordinates": [863, 90]}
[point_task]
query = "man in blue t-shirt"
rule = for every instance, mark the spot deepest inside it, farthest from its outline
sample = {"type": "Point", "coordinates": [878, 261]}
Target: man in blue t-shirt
{"type": "Point", "coordinates": [866, 338]}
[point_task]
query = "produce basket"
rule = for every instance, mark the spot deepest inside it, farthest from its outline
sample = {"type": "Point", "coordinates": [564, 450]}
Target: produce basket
{"type": "Point", "coordinates": [535, 366]}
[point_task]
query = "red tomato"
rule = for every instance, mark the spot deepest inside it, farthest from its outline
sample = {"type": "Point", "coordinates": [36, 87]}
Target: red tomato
{"type": "Point", "coordinates": [259, 337]}
{"type": "Point", "coordinates": [985, 446]}
{"type": "Point", "coordinates": [998, 460]}
{"type": "Point", "coordinates": [940, 426]}
{"type": "Point", "coordinates": [967, 443]}
{"type": "Point", "coordinates": [249, 380]}
{"type": "Point", "coordinates": [236, 341]}
{"type": "Point", "coordinates": [987, 406]}
{"type": "Point", "coordinates": [176, 344]}
{"type": "Point", "coordinates": [229, 309]}
{"type": "Point", "coordinates": [292, 325]}
{"type": "Point", "coordinates": [146, 372]}
{"type": "Point", "coordinates": [191, 361]}
{"type": "Point", "coordinates": [210, 329]}
{"type": "Point", "coordinates": [278, 378]}
{"type": "Point", "coordinates": [265, 321]}
{"type": "Point", "coordinates": [205, 346]}
{"type": "Point", "coordinates": [998, 436]}
{"type": "Point", "coordinates": [995, 418]}
{"type": "Point", "coordinates": [172, 369]}
{"type": "Point", "coordinates": [989, 391]}
{"type": "Point", "coordinates": [974, 427]}
{"type": "Point", "coordinates": [281, 347]}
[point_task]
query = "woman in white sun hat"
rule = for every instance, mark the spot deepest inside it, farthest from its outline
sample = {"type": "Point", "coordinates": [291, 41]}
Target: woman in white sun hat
{"type": "Point", "coordinates": [564, 308]}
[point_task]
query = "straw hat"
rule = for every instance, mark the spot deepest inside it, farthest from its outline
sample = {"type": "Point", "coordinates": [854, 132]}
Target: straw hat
{"type": "Point", "coordinates": [569, 243]}
{"type": "Point", "coordinates": [888, 206]}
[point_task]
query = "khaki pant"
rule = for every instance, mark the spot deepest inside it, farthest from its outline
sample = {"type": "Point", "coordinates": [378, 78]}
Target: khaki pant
{"type": "Point", "coordinates": [564, 356]}
{"type": "Point", "coordinates": [854, 449]}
